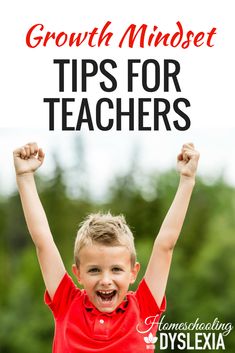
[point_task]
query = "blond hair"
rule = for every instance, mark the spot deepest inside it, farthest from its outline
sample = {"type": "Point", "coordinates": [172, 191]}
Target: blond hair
{"type": "Point", "coordinates": [104, 229]}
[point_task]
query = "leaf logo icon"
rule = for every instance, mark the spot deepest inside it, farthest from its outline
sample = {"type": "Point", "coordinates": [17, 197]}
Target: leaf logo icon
{"type": "Point", "coordinates": [150, 339]}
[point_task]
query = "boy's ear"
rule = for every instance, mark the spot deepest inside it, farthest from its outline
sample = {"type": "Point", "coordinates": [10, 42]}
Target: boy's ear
{"type": "Point", "coordinates": [134, 272]}
{"type": "Point", "coordinates": [76, 273]}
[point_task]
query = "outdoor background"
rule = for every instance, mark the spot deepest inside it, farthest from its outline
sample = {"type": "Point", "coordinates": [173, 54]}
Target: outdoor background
{"type": "Point", "coordinates": [125, 172]}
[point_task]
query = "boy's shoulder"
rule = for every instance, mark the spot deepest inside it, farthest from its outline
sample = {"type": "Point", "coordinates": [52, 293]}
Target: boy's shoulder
{"type": "Point", "coordinates": [146, 301]}
{"type": "Point", "coordinates": [64, 295]}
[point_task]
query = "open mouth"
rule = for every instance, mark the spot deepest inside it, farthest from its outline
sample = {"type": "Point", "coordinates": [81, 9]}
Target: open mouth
{"type": "Point", "coordinates": [106, 296]}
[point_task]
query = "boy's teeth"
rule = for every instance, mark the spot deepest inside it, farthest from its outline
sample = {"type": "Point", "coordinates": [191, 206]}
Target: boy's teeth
{"type": "Point", "coordinates": [106, 294]}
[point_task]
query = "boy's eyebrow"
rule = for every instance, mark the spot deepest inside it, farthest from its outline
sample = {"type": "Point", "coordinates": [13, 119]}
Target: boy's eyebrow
{"type": "Point", "coordinates": [95, 265]}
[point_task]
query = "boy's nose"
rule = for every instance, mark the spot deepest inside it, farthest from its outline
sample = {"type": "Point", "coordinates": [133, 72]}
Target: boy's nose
{"type": "Point", "coordinates": [106, 280]}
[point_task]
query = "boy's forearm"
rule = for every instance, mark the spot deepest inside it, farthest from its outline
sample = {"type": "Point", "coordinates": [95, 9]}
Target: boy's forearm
{"type": "Point", "coordinates": [173, 222]}
{"type": "Point", "coordinates": [33, 210]}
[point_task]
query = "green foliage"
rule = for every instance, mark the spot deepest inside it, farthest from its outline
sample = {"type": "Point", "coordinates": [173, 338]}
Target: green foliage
{"type": "Point", "coordinates": [201, 282]}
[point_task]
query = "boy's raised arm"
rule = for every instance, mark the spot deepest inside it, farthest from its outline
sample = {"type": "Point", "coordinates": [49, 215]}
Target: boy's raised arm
{"type": "Point", "coordinates": [159, 264]}
{"type": "Point", "coordinates": [26, 160]}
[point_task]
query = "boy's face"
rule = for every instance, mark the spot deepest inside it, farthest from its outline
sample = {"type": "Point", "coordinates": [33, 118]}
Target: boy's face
{"type": "Point", "coordinates": [105, 272]}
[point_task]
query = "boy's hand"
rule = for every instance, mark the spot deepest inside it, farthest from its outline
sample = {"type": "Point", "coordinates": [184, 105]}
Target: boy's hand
{"type": "Point", "coordinates": [28, 158]}
{"type": "Point", "coordinates": [187, 160]}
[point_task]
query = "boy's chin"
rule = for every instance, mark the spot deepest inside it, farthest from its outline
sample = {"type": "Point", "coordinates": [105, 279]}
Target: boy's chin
{"type": "Point", "coordinates": [106, 310]}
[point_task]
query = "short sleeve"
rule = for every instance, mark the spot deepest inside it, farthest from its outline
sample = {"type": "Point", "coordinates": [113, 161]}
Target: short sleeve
{"type": "Point", "coordinates": [63, 297]}
{"type": "Point", "coordinates": [147, 303]}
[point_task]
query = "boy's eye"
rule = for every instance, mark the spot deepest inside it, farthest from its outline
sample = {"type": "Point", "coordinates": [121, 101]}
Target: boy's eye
{"type": "Point", "coordinates": [117, 269]}
{"type": "Point", "coordinates": [93, 270]}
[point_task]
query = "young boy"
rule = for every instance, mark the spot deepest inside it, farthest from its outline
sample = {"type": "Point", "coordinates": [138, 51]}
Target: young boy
{"type": "Point", "coordinates": [104, 317]}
